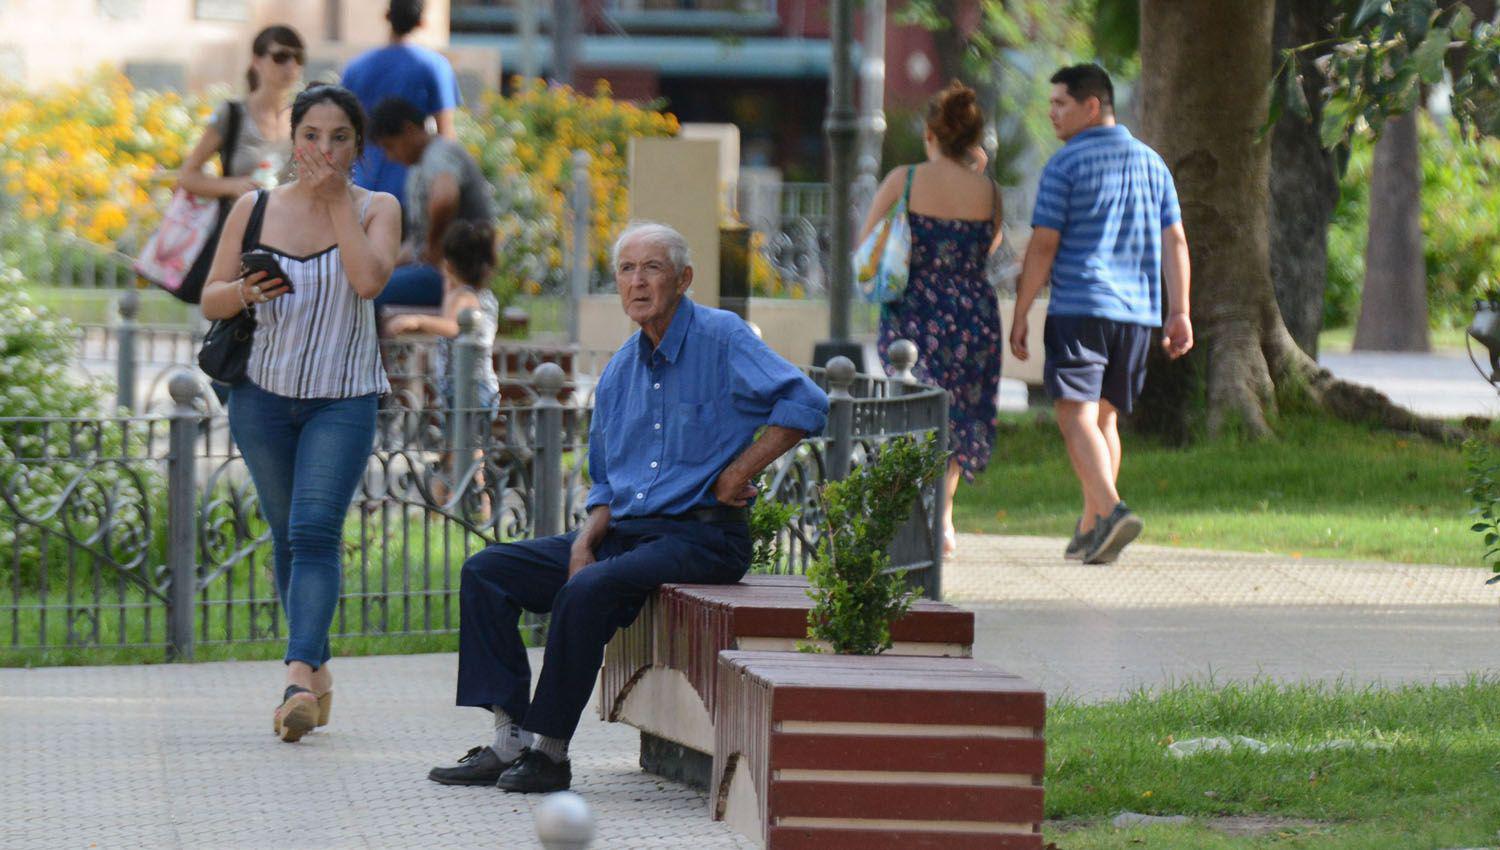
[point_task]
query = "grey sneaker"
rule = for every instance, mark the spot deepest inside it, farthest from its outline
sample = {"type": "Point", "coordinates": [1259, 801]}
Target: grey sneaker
{"type": "Point", "coordinates": [1080, 542]}
{"type": "Point", "coordinates": [1112, 534]}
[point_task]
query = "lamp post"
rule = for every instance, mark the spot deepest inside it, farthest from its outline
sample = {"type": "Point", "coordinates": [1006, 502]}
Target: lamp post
{"type": "Point", "coordinates": [841, 126]}
{"type": "Point", "coordinates": [565, 24]}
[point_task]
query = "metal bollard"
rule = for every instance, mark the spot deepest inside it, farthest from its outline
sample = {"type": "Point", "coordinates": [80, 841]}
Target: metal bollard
{"type": "Point", "coordinates": [564, 822]}
{"type": "Point", "coordinates": [580, 200]}
{"type": "Point", "coordinates": [840, 417]}
{"type": "Point", "coordinates": [182, 537]}
{"type": "Point", "coordinates": [130, 307]}
{"type": "Point", "coordinates": [547, 462]}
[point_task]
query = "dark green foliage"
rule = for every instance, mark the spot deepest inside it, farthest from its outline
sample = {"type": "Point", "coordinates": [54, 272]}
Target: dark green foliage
{"type": "Point", "coordinates": [1383, 54]}
{"type": "Point", "coordinates": [767, 519]}
{"type": "Point", "coordinates": [1484, 491]}
{"type": "Point", "coordinates": [855, 598]}
{"type": "Point", "coordinates": [1460, 227]}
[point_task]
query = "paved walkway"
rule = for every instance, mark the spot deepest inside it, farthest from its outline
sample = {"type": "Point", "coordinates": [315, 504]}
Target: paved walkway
{"type": "Point", "coordinates": [168, 756]}
{"type": "Point", "coordinates": [1166, 614]}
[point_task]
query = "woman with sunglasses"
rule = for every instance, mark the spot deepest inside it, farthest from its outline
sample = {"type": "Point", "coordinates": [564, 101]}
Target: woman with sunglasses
{"type": "Point", "coordinates": [261, 150]}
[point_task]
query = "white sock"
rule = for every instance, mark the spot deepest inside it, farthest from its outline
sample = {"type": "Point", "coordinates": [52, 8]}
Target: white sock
{"type": "Point", "coordinates": [553, 748]}
{"type": "Point", "coordinates": [509, 739]}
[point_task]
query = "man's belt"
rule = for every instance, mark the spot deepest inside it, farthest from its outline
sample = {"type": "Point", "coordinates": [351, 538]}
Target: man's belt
{"type": "Point", "coordinates": [720, 513]}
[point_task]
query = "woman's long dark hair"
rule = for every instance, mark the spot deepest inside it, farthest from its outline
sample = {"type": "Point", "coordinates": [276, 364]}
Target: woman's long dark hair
{"type": "Point", "coordinates": [338, 96]}
{"type": "Point", "coordinates": [264, 40]}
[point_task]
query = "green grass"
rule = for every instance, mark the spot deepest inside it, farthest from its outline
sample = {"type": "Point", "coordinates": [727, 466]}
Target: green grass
{"type": "Point", "coordinates": [1320, 488]}
{"type": "Point", "coordinates": [101, 306]}
{"type": "Point", "coordinates": [1431, 778]}
{"type": "Point", "coordinates": [1341, 340]}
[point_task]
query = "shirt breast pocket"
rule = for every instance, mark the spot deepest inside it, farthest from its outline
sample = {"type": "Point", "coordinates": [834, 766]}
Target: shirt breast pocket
{"type": "Point", "coordinates": [691, 431]}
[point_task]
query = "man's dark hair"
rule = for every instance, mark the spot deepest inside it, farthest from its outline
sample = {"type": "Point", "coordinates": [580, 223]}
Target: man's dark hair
{"type": "Point", "coordinates": [391, 117]}
{"type": "Point", "coordinates": [1086, 81]}
{"type": "Point", "coordinates": [405, 16]}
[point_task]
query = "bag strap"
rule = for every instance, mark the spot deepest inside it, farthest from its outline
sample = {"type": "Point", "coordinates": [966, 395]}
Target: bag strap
{"type": "Point", "coordinates": [231, 138]}
{"type": "Point", "coordinates": [911, 171]}
{"type": "Point", "coordinates": [257, 215]}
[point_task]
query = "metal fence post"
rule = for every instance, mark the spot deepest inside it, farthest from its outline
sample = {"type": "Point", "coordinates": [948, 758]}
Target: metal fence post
{"type": "Point", "coordinates": [130, 307]}
{"type": "Point", "coordinates": [467, 350]}
{"type": "Point", "coordinates": [840, 417]}
{"type": "Point", "coordinates": [932, 580]}
{"type": "Point", "coordinates": [578, 263]}
{"type": "Point", "coordinates": [547, 477]}
{"type": "Point", "coordinates": [182, 526]}
{"type": "Point", "coordinates": [903, 356]}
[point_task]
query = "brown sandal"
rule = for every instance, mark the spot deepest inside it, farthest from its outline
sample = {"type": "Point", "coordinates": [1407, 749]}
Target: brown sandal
{"type": "Point", "coordinates": [295, 716]}
{"type": "Point", "coordinates": [325, 705]}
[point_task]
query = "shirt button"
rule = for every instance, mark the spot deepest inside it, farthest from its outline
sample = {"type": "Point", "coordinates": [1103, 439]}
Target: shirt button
{"type": "Point", "coordinates": [653, 464]}
{"type": "Point", "coordinates": [640, 495]}
{"type": "Point", "coordinates": [656, 386]}
{"type": "Point", "coordinates": [658, 426]}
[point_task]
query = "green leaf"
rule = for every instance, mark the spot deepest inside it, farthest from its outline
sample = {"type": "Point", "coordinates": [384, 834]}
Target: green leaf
{"type": "Point", "coordinates": [1412, 18]}
{"type": "Point", "coordinates": [1338, 113]}
{"type": "Point", "coordinates": [1462, 23]}
{"type": "Point", "coordinates": [1367, 10]}
{"type": "Point", "coordinates": [1427, 59]}
{"type": "Point", "coordinates": [1294, 95]}
{"type": "Point", "coordinates": [1480, 526]}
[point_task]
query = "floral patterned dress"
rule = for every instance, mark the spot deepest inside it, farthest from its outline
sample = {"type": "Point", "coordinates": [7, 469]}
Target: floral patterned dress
{"type": "Point", "coordinates": [951, 312]}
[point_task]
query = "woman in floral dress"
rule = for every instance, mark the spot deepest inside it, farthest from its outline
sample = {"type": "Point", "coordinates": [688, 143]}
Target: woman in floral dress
{"type": "Point", "coordinates": [949, 308]}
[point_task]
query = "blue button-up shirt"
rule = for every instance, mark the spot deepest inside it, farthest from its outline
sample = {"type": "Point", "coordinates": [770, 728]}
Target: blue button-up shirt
{"type": "Point", "coordinates": [667, 421]}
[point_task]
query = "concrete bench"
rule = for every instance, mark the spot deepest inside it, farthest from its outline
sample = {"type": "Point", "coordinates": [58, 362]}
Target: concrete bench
{"type": "Point", "coordinates": [660, 674]}
{"type": "Point", "coordinates": [877, 752]}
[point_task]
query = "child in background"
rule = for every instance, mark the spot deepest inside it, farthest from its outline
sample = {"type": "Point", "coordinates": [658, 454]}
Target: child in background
{"type": "Point", "coordinates": [468, 263]}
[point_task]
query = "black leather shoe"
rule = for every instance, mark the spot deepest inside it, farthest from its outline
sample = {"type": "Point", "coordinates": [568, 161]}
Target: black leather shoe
{"type": "Point", "coordinates": [479, 766]}
{"type": "Point", "coordinates": [535, 773]}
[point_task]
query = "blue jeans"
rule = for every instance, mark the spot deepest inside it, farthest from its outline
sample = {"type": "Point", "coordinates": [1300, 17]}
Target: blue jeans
{"type": "Point", "coordinates": [306, 457]}
{"type": "Point", "coordinates": [636, 557]}
{"type": "Point", "coordinates": [416, 285]}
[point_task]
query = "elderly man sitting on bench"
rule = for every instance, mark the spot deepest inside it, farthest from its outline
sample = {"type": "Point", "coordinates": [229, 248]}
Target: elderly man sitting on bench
{"type": "Point", "coordinates": [672, 454]}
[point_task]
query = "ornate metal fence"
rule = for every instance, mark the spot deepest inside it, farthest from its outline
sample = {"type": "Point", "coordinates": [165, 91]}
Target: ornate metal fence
{"type": "Point", "coordinates": [146, 531]}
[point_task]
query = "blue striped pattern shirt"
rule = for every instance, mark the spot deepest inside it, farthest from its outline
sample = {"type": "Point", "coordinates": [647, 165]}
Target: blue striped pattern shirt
{"type": "Point", "coordinates": [1110, 196]}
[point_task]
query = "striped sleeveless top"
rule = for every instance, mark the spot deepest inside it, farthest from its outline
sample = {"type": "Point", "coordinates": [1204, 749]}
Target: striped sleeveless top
{"type": "Point", "coordinates": [317, 341]}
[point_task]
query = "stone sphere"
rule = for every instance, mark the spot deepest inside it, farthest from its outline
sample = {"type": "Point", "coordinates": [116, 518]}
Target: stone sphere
{"type": "Point", "coordinates": [564, 822]}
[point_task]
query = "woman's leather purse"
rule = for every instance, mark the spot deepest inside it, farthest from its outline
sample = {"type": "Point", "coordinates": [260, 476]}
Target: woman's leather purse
{"type": "Point", "coordinates": [225, 354]}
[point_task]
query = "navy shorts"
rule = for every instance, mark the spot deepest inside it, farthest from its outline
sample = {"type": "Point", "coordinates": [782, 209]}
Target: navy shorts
{"type": "Point", "coordinates": [1090, 358]}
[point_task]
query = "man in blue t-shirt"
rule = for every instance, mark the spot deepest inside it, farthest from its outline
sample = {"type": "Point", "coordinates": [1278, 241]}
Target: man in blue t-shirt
{"type": "Point", "coordinates": [1106, 230]}
{"type": "Point", "coordinates": [420, 76]}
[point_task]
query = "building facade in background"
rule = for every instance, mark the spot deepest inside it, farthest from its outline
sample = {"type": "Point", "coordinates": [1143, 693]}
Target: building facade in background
{"type": "Point", "coordinates": [762, 65]}
{"type": "Point", "coordinates": [193, 44]}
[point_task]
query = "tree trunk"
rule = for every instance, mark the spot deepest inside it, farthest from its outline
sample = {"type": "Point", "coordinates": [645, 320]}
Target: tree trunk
{"type": "Point", "coordinates": [1304, 182]}
{"type": "Point", "coordinates": [1393, 309]}
{"type": "Point", "coordinates": [1205, 67]}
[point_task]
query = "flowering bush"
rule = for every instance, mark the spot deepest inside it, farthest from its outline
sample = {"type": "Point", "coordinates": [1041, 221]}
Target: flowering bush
{"type": "Point", "coordinates": [524, 144]}
{"type": "Point", "coordinates": [85, 159]}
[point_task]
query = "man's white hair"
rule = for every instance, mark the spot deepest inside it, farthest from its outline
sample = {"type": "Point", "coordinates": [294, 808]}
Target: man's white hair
{"type": "Point", "coordinates": [657, 234]}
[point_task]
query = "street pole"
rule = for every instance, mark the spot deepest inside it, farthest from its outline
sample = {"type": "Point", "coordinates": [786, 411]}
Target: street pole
{"type": "Point", "coordinates": [872, 92]}
{"type": "Point", "coordinates": [564, 41]}
{"type": "Point", "coordinates": [528, 30]}
{"type": "Point", "coordinates": [841, 126]}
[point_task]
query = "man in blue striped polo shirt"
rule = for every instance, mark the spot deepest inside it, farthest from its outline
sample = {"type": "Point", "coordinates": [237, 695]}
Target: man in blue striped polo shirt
{"type": "Point", "coordinates": [1106, 231]}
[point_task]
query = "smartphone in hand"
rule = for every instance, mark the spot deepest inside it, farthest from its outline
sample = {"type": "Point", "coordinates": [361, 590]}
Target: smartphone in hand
{"type": "Point", "coordinates": [261, 261]}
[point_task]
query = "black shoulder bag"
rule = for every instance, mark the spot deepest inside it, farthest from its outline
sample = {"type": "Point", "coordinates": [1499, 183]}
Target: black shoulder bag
{"type": "Point", "coordinates": [226, 347]}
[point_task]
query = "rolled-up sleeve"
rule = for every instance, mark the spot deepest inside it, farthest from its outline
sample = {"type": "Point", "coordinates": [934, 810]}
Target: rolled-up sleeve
{"type": "Point", "coordinates": [600, 492]}
{"type": "Point", "coordinates": [764, 383]}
